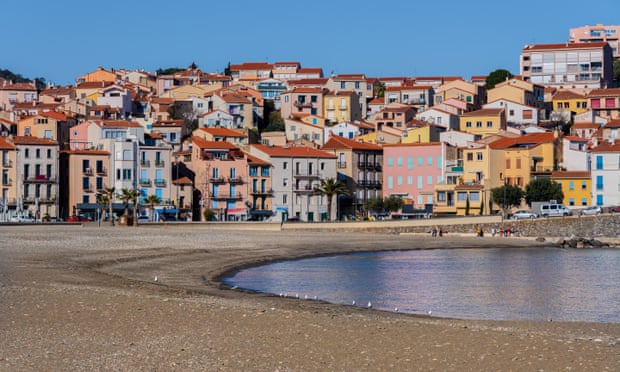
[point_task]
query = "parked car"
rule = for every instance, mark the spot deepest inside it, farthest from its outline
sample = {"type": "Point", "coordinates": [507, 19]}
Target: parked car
{"type": "Point", "coordinates": [524, 214]}
{"type": "Point", "coordinates": [593, 210]}
{"type": "Point", "coordinates": [21, 219]}
{"type": "Point", "coordinates": [615, 209]}
{"type": "Point", "coordinates": [76, 218]}
{"type": "Point", "coordinates": [554, 210]}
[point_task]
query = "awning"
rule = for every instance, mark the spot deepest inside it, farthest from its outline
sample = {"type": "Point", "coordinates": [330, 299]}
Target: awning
{"type": "Point", "coordinates": [236, 211]}
{"type": "Point", "coordinates": [261, 213]}
{"type": "Point", "coordinates": [94, 206]}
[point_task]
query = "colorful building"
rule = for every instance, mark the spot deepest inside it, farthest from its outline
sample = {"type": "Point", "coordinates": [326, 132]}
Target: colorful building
{"type": "Point", "coordinates": [576, 187]}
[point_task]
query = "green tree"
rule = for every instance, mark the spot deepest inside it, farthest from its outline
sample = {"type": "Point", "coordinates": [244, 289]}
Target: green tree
{"type": "Point", "coordinates": [617, 71]}
{"type": "Point", "coordinates": [110, 194]}
{"type": "Point", "coordinates": [168, 71]}
{"type": "Point", "coordinates": [331, 187]}
{"type": "Point", "coordinates": [497, 77]}
{"type": "Point", "coordinates": [392, 203]}
{"type": "Point", "coordinates": [125, 197]}
{"type": "Point", "coordinates": [379, 89]}
{"type": "Point", "coordinates": [467, 206]}
{"type": "Point", "coordinates": [276, 123]}
{"type": "Point", "coordinates": [374, 204]}
{"type": "Point", "coordinates": [513, 194]}
{"type": "Point", "coordinates": [543, 189]}
{"type": "Point", "coordinates": [103, 201]}
{"type": "Point", "coordinates": [130, 195]}
{"type": "Point", "coordinates": [208, 214]}
{"type": "Point", "coordinates": [152, 200]}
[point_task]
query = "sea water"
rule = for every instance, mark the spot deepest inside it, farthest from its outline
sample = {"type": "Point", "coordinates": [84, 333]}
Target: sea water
{"type": "Point", "coordinates": [538, 284]}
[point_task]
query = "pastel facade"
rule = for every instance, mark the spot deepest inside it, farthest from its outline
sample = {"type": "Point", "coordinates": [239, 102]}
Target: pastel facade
{"type": "Point", "coordinates": [606, 174]}
{"type": "Point", "coordinates": [573, 102]}
{"type": "Point", "coordinates": [575, 154]}
{"type": "Point", "coordinates": [418, 96]}
{"type": "Point", "coordinates": [576, 187]}
{"type": "Point", "coordinates": [296, 171]}
{"type": "Point", "coordinates": [222, 134]}
{"type": "Point", "coordinates": [12, 94]}
{"type": "Point", "coordinates": [220, 178]}
{"type": "Point", "coordinates": [343, 129]}
{"type": "Point", "coordinates": [356, 83]}
{"type": "Point", "coordinates": [483, 122]}
{"type": "Point", "coordinates": [8, 174]}
{"type": "Point", "coordinates": [605, 102]}
{"type": "Point", "coordinates": [360, 166]}
{"type": "Point", "coordinates": [342, 106]}
{"type": "Point", "coordinates": [394, 116]}
{"type": "Point", "coordinates": [154, 171]}
{"type": "Point", "coordinates": [99, 75]}
{"type": "Point", "coordinates": [596, 34]}
{"type": "Point", "coordinates": [439, 117]}
{"type": "Point", "coordinates": [260, 189]}
{"type": "Point", "coordinates": [520, 91]}
{"type": "Point", "coordinates": [302, 101]}
{"type": "Point", "coordinates": [298, 130]}
{"type": "Point", "coordinates": [569, 65]}
{"type": "Point", "coordinates": [516, 113]}
{"type": "Point", "coordinates": [216, 118]}
{"type": "Point", "coordinates": [412, 171]}
{"type": "Point", "coordinates": [471, 93]}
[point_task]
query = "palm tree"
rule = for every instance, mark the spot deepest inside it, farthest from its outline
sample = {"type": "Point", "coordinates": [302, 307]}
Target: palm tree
{"type": "Point", "coordinates": [331, 187]}
{"type": "Point", "coordinates": [152, 200]}
{"type": "Point", "coordinates": [134, 197]}
{"type": "Point", "coordinates": [103, 202]}
{"type": "Point", "coordinates": [110, 194]}
{"type": "Point", "coordinates": [125, 197]}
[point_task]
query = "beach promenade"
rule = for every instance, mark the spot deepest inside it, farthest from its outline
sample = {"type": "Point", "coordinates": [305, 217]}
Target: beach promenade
{"type": "Point", "coordinates": [148, 298]}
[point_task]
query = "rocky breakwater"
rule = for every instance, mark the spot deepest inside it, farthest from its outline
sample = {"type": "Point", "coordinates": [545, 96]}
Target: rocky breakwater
{"type": "Point", "coordinates": [578, 242]}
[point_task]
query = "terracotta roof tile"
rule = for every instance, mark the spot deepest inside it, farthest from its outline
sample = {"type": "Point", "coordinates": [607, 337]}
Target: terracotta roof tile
{"type": "Point", "coordinates": [294, 152]}
{"type": "Point", "coordinates": [30, 140]}
{"type": "Point", "coordinates": [607, 147]}
{"type": "Point", "coordinates": [18, 86]}
{"type": "Point", "coordinates": [119, 124]}
{"type": "Point", "coordinates": [527, 140]}
{"type": "Point", "coordinates": [216, 145]}
{"type": "Point", "coordinates": [86, 152]}
{"type": "Point", "coordinates": [5, 145]}
{"type": "Point", "coordinates": [484, 112]}
{"type": "Point", "coordinates": [568, 94]}
{"type": "Point", "coordinates": [253, 160]}
{"type": "Point", "coordinates": [565, 46]}
{"type": "Point", "coordinates": [224, 132]}
{"type": "Point", "coordinates": [612, 124]}
{"type": "Point", "coordinates": [584, 125]}
{"type": "Point", "coordinates": [570, 174]}
{"type": "Point", "coordinates": [609, 92]}
{"type": "Point", "coordinates": [337, 142]}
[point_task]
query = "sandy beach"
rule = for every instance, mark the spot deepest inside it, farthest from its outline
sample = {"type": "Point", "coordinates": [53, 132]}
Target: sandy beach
{"type": "Point", "coordinates": [148, 298]}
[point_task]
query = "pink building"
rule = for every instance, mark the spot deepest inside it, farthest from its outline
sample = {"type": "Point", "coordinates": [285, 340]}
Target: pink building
{"type": "Point", "coordinates": [412, 170]}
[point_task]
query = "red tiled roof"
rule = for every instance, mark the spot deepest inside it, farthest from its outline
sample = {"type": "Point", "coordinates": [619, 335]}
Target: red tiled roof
{"type": "Point", "coordinates": [297, 64]}
{"type": "Point", "coordinates": [570, 174]}
{"type": "Point", "coordinates": [607, 147]}
{"type": "Point", "coordinates": [349, 77]}
{"type": "Point", "coordinates": [168, 124]}
{"type": "Point", "coordinates": [251, 66]}
{"type": "Point", "coordinates": [254, 160]}
{"type": "Point", "coordinates": [575, 139]}
{"type": "Point", "coordinates": [182, 181]}
{"type": "Point", "coordinates": [612, 124]}
{"type": "Point", "coordinates": [234, 98]}
{"type": "Point", "coordinates": [337, 142]}
{"type": "Point", "coordinates": [315, 81]}
{"type": "Point", "coordinates": [609, 92]}
{"type": "Point", "coordinates": [413, 144]}
{"type": "Point", "coordinates": [377, 101]}
{"type": "Point", "coordinates": [18, 86]}
{"type": "Point", "coordinates": [5, 145]}
{"type": "Point", "coordinates": [568, 94]}
{"type": "Point", "coordinates": [220, 145]}
{"type": "Point", "coordinates": [119, 124]}
{"type": "Point", "coordinates": [565, 46]}
{"type": "Point", "coordinates": [30, 140]}
{"type": "Point", "coordinates": [294, 152]}
{"type": "Point", "coordinates": [306, 90]}
{"type": "Point", "coordinates": [94, 84]}
{"type": "Point", "coordinates": [484, 112]}
{"type": "Point", "coordinates": [54, 115]}
{"type": "Point", "coordinates": [584, 125]}
{"type": "Point", "coordinates": [307, 70]}
{"type": "Point", "coordinates": [224, 132]}
{"type": "Point", "coordinates": [528, 139]}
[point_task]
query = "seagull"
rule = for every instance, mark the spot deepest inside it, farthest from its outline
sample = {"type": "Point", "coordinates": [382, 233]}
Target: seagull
{"type": "Point", "coordinates": [296, 295]}
{"type": "Point", "coordinates": [353, 303]}
{"type": "Point", "coordinates": [234, 287]}
{"type": "Point", "coordinates": [396, 309]}
{"type": "Point", "coordinates": [305, 297]}
{"type": "Point", "coordinates": [430, 313]}
{"type": "Point", "coordinates": [156, 279]}
{"type": "Point", "coordinates": [369, 304]}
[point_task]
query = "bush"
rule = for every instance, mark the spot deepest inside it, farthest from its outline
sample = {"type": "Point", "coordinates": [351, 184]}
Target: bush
{"type": "Point", "coordinates": [209, 215]}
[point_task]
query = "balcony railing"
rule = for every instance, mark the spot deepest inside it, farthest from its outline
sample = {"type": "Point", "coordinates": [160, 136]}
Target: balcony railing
{"type": "Point", "coordinates": [217, 179]}
{"type": "Point", "coordinates": [7, 182]}
{"type": "Point", "coordinates": [8, 163]}
{"type": "Point", "coordinates": [101, 171]}
{"type": "Point", "coordinates": [303, 104]}
{"type": "Point", "coordinates": [145, 182]}
{"type": "Point", "coordinates": [235, 180]}
{"type": "Point", "coordinates": [220, 196]}
{"type": "Point", "coordinates": [160, 163]}
{"type": "Point", "coordinates": [341, 164]}
{"type": "Point", "coordinates": [87, 172]}
{"type": "Point", "coordinates": [306, 174]}
{"type": "Point", "coordinates": [41, 178]}
{"type": "Point", "coordinates": [87, 188]}
{"type": "Point", "coordinates": [369, 183]}
{"type": "Point", "coordinates": [303, 189]}
{"type": "Point", "coordinates": [160, 183]}
{"type": "Point", "coordinates": [145, 163]}
{"type": "Point", "coordinates": [262, 192]}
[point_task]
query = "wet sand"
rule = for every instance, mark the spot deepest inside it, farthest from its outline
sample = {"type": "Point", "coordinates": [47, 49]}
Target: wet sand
{"type": "Point", "coordinates": [86, 298]}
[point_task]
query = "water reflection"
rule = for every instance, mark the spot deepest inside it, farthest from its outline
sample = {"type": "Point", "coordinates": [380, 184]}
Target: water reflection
{"type": "Point", "coordinates": [503, 284]}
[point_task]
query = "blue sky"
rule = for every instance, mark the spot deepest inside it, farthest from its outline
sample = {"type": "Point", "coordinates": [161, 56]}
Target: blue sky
{"type": "Point", "coordinates": [59, 40]}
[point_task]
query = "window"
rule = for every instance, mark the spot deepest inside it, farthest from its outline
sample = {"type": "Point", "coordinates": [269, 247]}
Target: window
{"type": "Point", "coordinates": [85, 183]}
{"type": "Point", "coordinates": [518, 165]}
{"type": "Point", "coordinates": [342, 85]}
{"type": "Point", "coordinates": [429, 160]}
{"type": "Point", "coordinates": [26, 153]}
{"type": "Point", "coordinates": [410, 162]}
{"type": "Point", "coordinates": [461, 196]}
{"type": "Point", "coordinates": [284, 199]}
{"type": "Point", "coordinates": [468, 124]}
{"type": "Point", "coordinates": [489, 124]}
{"type": "Point", "coordinates": [390, 161]}
{"type": "Point", "coordinates": [584, 185]}
{"type": "Point", "coordinates": [420, 160]}
{"type": "Point", "coordinates": [478, 124]}
{"type": "Point", "coordinates": [285, 182]}
{"type": "Point", "coordinates": [429, 180]}
{"type": "Point", "coordinates": [599, 182]}
{"type": "Point", "coordinates": [253, 170]}
{"type": "Point", "coordinates": [441, 196]}
{"type": "Point", "coordinates": [571, 186]}
{"type": "Point", "coordinates": [399, 180]}
{"type": "Point", "coordinates": [571, 201]}
{"type": "Point", "coordinates": [479, 156]}
{"type": "Point", "coordinates": [527, 114]}
{"type": "Point", "coordinates": [37, 153]}
{"type": "Point", "coordinates": [599, 199]}
{"type": "Point", "coordinates": [599, 162]}
{"type": "Point", "coordinates": [390, 181]}
{"type": "Point", "coordinates": [474, 196]}
{"type": "Point", "coordinates": [507, 163]}
{"type": "Point", "coordinates": [357, 85]}
{"type": "Point", "coordinates": [409, 180]}
{"type": "Point", "coordinates": [284, 165]}
{"type": "Point", "coordinates": [511, 112]}
{"type": "Point", "coordinates": [470, 156]}
{"type": "Point", "coordinates": [420, 182]}
{"type": "Point", "coordinates": [399, 161]}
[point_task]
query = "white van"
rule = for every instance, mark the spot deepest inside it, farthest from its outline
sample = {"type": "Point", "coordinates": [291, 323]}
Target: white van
{"type": "Point", "coordinates": [554, 210]}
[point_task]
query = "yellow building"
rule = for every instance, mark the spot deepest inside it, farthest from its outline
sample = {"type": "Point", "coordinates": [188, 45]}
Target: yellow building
{"type": "Point", "coordinates": [99, 75]}
{"type": "Point", "coordinates": [483, 122]}
{"type": "Point", "coordinates": [185, 91]}
{"type": "Point", "coordinates": [566, 100]}
{"type": "Point", "coordinates": [576, 186]}
{"type": "Point", "coordinates": [422, 133]}
{"type": "Point", "coordinates": [517, 90]}
{"type": "Point", "coordinates": [470, 93]}
{"type": "Point", "coordinates": [342, 106]}
{"type": "Point", "coordinates": [44, 125]}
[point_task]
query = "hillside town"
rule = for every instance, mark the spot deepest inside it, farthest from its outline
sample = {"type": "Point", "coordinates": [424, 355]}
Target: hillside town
{"type": "Point", "coordinates": [270, 141]}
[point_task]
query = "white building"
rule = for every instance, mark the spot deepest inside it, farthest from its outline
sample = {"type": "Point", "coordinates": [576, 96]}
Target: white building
{"type": "Point", "coordinates": [516, 113]}
{"type": "Point", "coordinates": [606, 174]}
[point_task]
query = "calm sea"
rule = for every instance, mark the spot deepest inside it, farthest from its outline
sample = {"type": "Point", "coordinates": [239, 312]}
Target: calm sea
{"type": "Point", "coordinates": [500, 284]}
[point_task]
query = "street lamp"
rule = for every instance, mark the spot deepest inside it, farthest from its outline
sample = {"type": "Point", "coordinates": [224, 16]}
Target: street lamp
{"type": "Point", "coordinates": [504, 199]}
{"type": "Point", "coordinates": [176, 166]}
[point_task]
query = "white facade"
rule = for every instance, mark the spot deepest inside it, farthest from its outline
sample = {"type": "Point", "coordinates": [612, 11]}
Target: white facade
{"type": "Point", "coordinates": [456, 138]}
{"type": "Point", "coordinates": [516, 113]}
{"type": "Point", "coordinates": [343, 129]}
{"type": "Point", "coordinates": [118, 98]}
{"type": "Point", "coordinates": [217, 118]}
{"type": "Point", "coordinates": [439, 117]}
{"type": "Point", "coordinates": [606, 177]}
{"type": "Point", "coordinates": [575, 155]}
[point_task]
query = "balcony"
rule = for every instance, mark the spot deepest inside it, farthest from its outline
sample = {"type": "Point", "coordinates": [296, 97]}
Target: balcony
{"type": "Point", "coordinates": [237, 180]}
{"type": "Point", "coordinates": [370, 184]}
{"type": "Point", "coordinates": [87, 172]}
{"type": "Point", "coordinates": [160, 163]}
{"type": "Point", "coordinates": [145, 182]}
{"type": "Point", "coordinates": [306, 189]}
{"type": "Point", "coordinates": [261, 192]}
{"type": "Point", "coordinates": [7, 182]}
{"type": "Point", "coordinates": [101, 171]}
{"type": "Point", "coordinates": [341, 164]}
{"type": "Point", "coordinates": [302, 173]}
{"type": "Point", "coordinates": [217, 179]}
{"type": "Point", "coordinates": [301, 105]}
{"type": "Point", "coordinates": [330, 108]}
{"type": "Point", "coordinates": [88, 188]}
{"type": "Point", "coordinates": [41, 178]}
{"type": "Point", "coordinates": [160, 183]}
{"type": "Point", "coordinates": [220, 196]}
{"type": "Point", "coordinates": [7, 163]}
{"type": "Point", "coordinates": [145, 163]}
{"type": "Point", "coordinates": [343, 107]}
